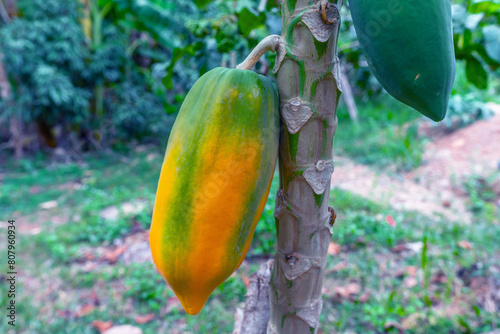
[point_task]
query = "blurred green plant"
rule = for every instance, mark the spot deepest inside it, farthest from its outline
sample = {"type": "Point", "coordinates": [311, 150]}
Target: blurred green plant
{"type": "Point", "coordinates": [62, 80]}
{"type": "Point", "coordinates": [264, 240]}
{"type": "Point", "coordinates": [484, 196]}
{"type": "Point", "coordinates": [477, 38]}
{"type": "Point", "coordinates": [45, 58]}
{"type": "Point", "coordinates": [386, 136]}
{"type": "Point", "coordinates": [145, 286]}
{"type": "Point", "coordinates": [116, 66]}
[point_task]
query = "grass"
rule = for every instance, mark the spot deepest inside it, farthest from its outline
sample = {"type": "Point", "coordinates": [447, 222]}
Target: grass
{"type": "Point", "coordinates": [482, 192]}
{"type": "Point", "coordinates": [386, 135]}
{"type": "Point", "coordinates": [58, 280]}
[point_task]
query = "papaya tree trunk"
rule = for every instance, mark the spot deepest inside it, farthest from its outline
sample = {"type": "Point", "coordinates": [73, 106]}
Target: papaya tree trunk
{"type": "Point", "coordinates": [309, 88]}
{"type": "Point", "coordinates": [4, 15]}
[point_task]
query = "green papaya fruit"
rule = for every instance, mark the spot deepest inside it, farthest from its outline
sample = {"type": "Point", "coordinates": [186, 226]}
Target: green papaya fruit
{"type": "Point", "coordinates": [408, 45]}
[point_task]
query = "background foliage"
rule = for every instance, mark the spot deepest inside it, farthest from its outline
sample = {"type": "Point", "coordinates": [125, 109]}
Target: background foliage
{"type": "Point", "coordinates": [89, 74]}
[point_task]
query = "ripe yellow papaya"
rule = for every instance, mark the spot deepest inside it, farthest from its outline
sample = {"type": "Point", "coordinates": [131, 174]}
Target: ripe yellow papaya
{"type": "Point", "coordinates": [214, 181]}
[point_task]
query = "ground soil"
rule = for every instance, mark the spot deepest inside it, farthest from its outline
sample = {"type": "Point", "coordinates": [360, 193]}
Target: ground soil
{"type": "Point", "coordinates": [435, 187]}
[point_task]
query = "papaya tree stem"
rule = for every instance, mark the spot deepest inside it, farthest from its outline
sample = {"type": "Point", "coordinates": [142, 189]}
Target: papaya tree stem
{"type": "Point", "coordinates": [308, 77]}
{"type": "Point", "coordinates": [270, 43]}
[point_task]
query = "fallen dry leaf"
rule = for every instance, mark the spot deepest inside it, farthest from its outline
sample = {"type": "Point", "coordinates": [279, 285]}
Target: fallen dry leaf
{"type": "Point", "coordinates": [64, 313]}
{"type": "Point", "coordinates": [172, 303]}
{"type": "Point", "coordinates": [439, 278]}
{"type": "Point", "coordinates": [465, 244]}
{"type": "Point", "coordinates": [102, 326]}
{"type": "Point", "coordinates": [390, 220]}
{"type": "Point", "coordinates": [333, 249]}
{"type": "Point", "coordinates": [89, 266]}
{"type": "Point", "coordinates": [49, 205]}
{"type": "Point", "coordinates": [489, 305]}
{"type": "Point", "coordinates": [337, 267]}
{"type": "Point", "coordinates": [347, 291]}
{"type": "Point", "coordinates": [408, 271]}
{"type": "Point", "coordinates": [411, 271]}
{"type": "Point", "coordinates": [400, 273]}
{"type": "Point", "coordinates": [112, 255]}
{"type": "Point", "coordinates": [479, 284]}
{"type": "Point", "coordinates": [365, 296]}
{"type": "Point", "coordinates": [133, 207]}
{"type": "Point", "coordinates": [245, 280]}
{"type": "Point", "coordinates": [84, 310]}
{"type": "Point", "coordinates": [94, 298]}
{"type": "Point", "coordinates": [410, 282]}
{"type": "Point", "coordinates": [180, 325]}
{"type": "Point", "coordinates": [412, 321]}
{"type": "Point", "coordinates": [415, 247]}
{"type": "Point", "coordinates": [110, 213]}
{"type": "Point", "coordinates": [143, 319]}
{"type": "Point", "coordinates": [125, 329]}
{"type": "Point", "coordinates": [400, 248]}
{"type": "Point", "coordinates": [393, 324]}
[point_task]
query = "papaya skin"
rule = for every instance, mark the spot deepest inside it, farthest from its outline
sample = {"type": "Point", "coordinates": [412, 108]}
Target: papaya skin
{"type": "Point", "coordinates": [409, 48]}
{"type": "Point", "coordinates": [214, 182]}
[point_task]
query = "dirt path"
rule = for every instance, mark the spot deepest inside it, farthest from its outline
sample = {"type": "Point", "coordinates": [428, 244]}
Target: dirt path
{"type": "Point", "coordinates": [434, 188]}
{"type": "Point", "coordinates": [400, 193]}
{"type": "Point", "coordinates": [474, 150]}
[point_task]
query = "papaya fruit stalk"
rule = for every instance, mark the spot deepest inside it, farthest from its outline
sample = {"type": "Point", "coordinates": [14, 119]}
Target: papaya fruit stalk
{"type": "Point", "coordinates": [308, 76]}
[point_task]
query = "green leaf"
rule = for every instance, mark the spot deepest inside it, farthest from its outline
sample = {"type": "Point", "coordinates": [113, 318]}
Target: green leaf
{"type": "Point", "coordinates": [459, 15]}
{"type": "Point", "coordinates": [492, 41]}
{"type": "Point", "coordinates": [475, 73]}
{"type": "Point", "coordinates": [248, 20]}
{"type": "Point", "coordinates": [424, 252]}
{"type": "Point", "coordinates": [473, 20]}
{"type": "Point", "coordinates": [486, 7]}
{"type": "Point", "coordinates": [202, 3]}
{"type": "Point", "coordinates": [481, 51]}
{"type": "Point", "coordinates": [177, 54]}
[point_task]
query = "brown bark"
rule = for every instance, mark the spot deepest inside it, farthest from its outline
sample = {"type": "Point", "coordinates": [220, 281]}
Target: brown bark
{"type": "Point", "coordinates": [15, 125]}
{"type": "Point", "coordinates": [5, 88]}
{"type": "Point", "coordinates": [4, 15]}
{"type": "Point", "coordinates": [16, 137]}
{"type": "Point", "coordinates": [11, 6]}
{"type": "Point", "coordinates": [309, 89]}
{"type": "Point", "coordinates": [255, 316]}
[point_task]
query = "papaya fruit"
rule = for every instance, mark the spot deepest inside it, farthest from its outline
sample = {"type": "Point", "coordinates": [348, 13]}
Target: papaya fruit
{"type": "Point", "coordinates": [408, 45]}
{"type": "Point", "coordinates": [214, 182]}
